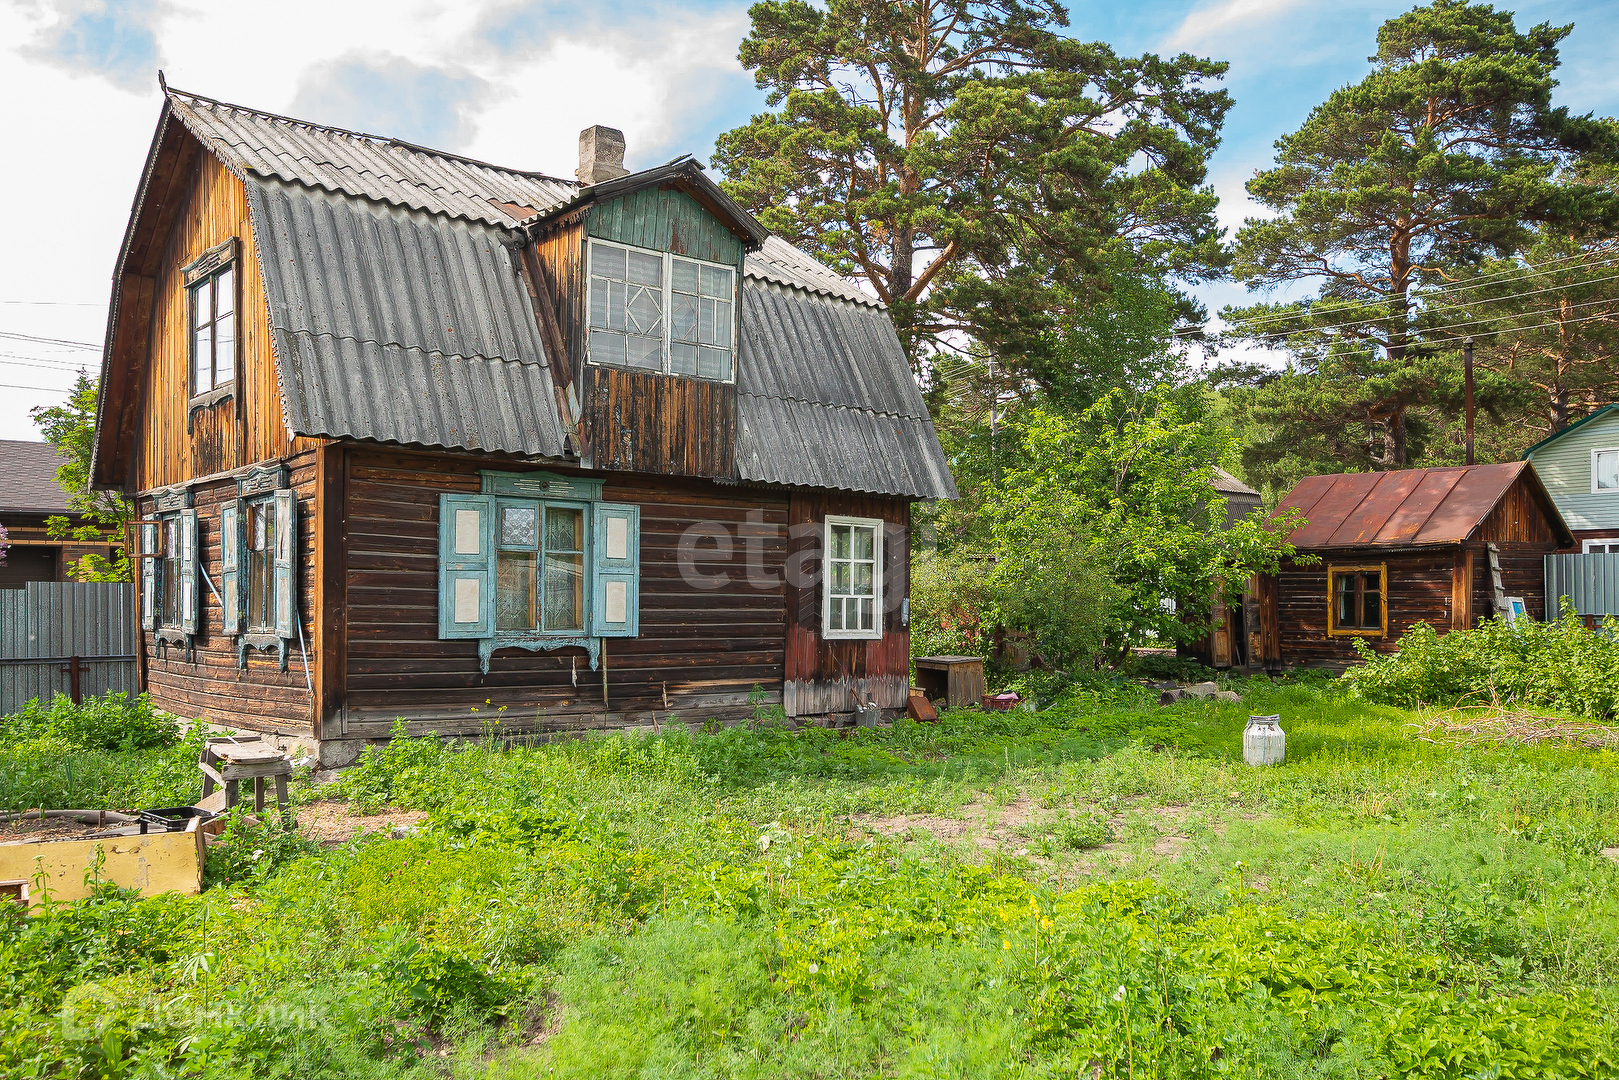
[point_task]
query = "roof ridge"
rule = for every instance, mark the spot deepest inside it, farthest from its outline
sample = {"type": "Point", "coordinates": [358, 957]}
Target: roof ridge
{"type": "Point", "coordinates": [384, 140]}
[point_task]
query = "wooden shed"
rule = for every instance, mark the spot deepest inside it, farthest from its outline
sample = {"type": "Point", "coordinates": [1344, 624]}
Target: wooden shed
{"type": "Point", "coordinates": [414, 436]}
{"type": "Point", "coordinates": [1444, 546]}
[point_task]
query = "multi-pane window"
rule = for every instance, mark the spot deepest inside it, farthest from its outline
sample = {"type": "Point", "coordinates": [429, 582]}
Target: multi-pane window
{"type": "Point", "coordinates": [261, 544]}
{"type": "Point", "coordinates": [1604, 470]}
{"type": "Point", "coordinates": [661, 312]}
{"type": "Point", "coordinates": [540, 568]}
{"type": "Point", "coordinates": [852, 575]}
{"type": "Point", "coordinates": [1357, 599]}
{"type": "Point", "coordinates": [170, 546]}
{"type": "Point", "coordinates": [212, 304]}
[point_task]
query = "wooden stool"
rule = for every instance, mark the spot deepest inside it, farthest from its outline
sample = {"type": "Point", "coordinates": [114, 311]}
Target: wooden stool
{"type": "Point", "coordinates": [959, 680]}
{"type": "Point", "coordinates": [229, 759]}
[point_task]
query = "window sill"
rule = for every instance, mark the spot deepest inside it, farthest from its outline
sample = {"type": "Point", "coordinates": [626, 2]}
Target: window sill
{"type": "Point", "coordinates": [536, 642]}
{"type": "Point", "coordinates": [205, 400]}
{"type": "Point", "coordinates": [1341, 632]}
{"type": "Point", "coordinates": [864, 635]}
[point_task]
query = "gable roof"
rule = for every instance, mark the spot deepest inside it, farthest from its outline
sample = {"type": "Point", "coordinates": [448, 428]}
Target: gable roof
{"type": "Point", "coordinates": [1605, 410]}
{"type": "Point", "coordinates": [1409, 507]}
{"type": "Point", "coordinates": [397, 312]}
{"type": "Point", "coordinates": [28, 478]}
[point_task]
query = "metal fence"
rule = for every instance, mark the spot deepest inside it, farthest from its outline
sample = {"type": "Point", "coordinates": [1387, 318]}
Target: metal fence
{"type": "Point", "coordinates": [1590, 581]}
{"type": "Point", "coordinates": [76, 638]}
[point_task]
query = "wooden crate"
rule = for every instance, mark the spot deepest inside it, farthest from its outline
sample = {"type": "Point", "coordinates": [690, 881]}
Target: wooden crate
{"type": "Point", "coordinates": [958, 680]}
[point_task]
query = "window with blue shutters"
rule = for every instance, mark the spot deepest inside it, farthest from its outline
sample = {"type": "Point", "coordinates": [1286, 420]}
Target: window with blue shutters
{"type": "Point", "coordinates": [537, 561]}
{"type": "Point", "coordinates": [171, 602]}
{"type": "Point", "coordinates": [258, 535]}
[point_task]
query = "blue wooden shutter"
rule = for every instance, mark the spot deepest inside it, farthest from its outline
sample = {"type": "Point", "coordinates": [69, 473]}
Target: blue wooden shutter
{"type": "Point", "coordinates": [286, 564]}
{"type": "Point", "coordinates": [149, 576]}
{"type": "Point", "coordinates": [615, 538]}
{"type": "Point", "coordinates": [231, 544]}
{"type": "Point", "coordinates": [190, 600]}
{"type": "Point", "coordinates": [466, 579]}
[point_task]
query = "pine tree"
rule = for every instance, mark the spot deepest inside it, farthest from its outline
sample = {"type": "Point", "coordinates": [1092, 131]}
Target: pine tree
{"type": "Point", "coordinates": [1449, 151]}
{"type": "Point", "coordinates": [981, 171]}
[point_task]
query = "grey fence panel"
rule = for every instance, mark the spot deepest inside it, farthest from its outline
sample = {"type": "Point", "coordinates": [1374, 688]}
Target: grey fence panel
{"type": "Point", "coordinates": [46, 622]}
{"type": "Point", "coordinates": [1590, 581]}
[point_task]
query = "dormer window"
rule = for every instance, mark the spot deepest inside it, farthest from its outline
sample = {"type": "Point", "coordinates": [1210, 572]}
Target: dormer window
{"type": "Point", "coordinates": [658, 311]}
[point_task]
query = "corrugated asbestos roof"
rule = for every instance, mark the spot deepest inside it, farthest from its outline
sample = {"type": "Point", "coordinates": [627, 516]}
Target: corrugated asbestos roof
{"type": "Point", "coordinates": [397, 314]}
{"type": "Point", "coordinates": [370, 166]}
{"type": "Point", "coordinates": [400, 325]}
{"type": "Point", "coordinates": [825, 398]}
{"type": "Point", "coordinates": [28, 478]}
{"type": "Point", "coordinates": [1226, 484]}
{"type": "Point", "coordinates": [1399, 509]}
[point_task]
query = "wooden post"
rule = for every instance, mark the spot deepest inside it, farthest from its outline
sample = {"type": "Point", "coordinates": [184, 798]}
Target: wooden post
{"type": "Point", "coordinates": [73, 670]}
{"type": "Point", "coordinates": [1467, 379]}
{"type": "Point", "coordinates": [1461, 591]}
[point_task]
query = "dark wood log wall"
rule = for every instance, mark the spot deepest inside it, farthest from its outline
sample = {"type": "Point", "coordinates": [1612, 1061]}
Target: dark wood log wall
{"type": "Point", "coordinates": [209, 686]}
{"type": "Point", "coordinates": [1420, 590]}
{"type": "Point", "coordinates": [821, 674]}
{"type": "Point", "coordinates": [700, 653]}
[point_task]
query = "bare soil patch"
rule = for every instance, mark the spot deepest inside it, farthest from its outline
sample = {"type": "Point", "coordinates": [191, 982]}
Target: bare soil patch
{"type": "Point", "coordinates": [330, 822]}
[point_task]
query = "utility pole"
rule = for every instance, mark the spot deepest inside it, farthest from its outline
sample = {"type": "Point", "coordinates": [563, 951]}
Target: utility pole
{"type": "Point", "coordinates": [1467, 379]}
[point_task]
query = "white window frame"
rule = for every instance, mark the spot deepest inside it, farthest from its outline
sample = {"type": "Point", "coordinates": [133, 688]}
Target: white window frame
{"type": "Point", "coordinates": [668, 288]}
{"type": "Point", "coordinates": [1610, 542]}
{"type": "Point", "coordinates": [1595, 453]}
{"type": "Point", "coordinates": [876, 631]}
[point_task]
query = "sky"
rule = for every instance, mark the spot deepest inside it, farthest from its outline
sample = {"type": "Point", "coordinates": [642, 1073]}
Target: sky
{"type": "Point", "coordinates": [513, 82]}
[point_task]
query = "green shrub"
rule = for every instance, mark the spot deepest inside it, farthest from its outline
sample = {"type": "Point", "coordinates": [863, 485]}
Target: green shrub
{"type": "Point", "coordinates": [112, 722]}
{"type": "Point", "coordinates": [949, 605]}
{"type": "Point", "coordinates": [1559, 665]}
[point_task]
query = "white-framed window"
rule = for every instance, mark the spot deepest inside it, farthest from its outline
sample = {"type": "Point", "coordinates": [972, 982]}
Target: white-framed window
{"type": "Point", "coordinates": [659, 311]}
{"type": "Point", "coordinates": [1605, 472]}
{"type": "Point", "coordinates": [852, 578]}
{"type": "Point", "coordinates": [1600, 547]}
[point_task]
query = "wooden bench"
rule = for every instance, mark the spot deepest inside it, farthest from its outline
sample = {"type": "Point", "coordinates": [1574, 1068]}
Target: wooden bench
{"type": "Point", "coordinates": [229, 759]}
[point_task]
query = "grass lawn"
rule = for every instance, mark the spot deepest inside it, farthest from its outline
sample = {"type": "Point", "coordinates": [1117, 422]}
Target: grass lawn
{"type": "Point", "coordinates": [1103, 889]}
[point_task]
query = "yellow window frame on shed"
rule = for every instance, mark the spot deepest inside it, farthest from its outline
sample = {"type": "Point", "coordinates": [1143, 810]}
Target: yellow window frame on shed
{"type": "Point", "coordinates": [1333, 573]}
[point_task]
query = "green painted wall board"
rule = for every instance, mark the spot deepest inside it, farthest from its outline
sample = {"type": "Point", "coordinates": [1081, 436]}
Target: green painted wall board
{"type": "Point", "coordinates": [665, 221]}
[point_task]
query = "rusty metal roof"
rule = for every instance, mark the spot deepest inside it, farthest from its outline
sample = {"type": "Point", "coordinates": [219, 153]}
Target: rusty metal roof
{"type": "Point", "coordinates": [1406, 508]}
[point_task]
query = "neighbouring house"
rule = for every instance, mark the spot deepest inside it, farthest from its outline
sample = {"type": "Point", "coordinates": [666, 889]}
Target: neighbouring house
{"type": "Point", "coordinates": [1445, 546]}
{"type": "Point", "coordinates": [417, 437]}
{"type": "Point", "coordinates": [1580, 468]}
{"type": "Point", "coordinates": [29, 494]}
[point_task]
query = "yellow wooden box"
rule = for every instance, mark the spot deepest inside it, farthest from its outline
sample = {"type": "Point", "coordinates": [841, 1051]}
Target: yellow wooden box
{"type": "Point", "coordinates": [154, 863]}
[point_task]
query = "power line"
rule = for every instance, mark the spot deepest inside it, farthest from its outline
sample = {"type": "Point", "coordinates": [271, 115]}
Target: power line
{"type": "Point", "coordinates": [24, 362]}
{"type": "Point", "coordinates": [51, 303]}
{"type": "Point", "coordinates": [63, 342]}
{"type": "Point", "coordinates": [41, 389]}
{"type": "Point", "coordinates": [1420, 296]}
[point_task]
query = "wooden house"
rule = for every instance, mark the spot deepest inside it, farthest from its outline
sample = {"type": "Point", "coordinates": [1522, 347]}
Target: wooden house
{"type": "Point", "coordinates": [29, 497]}
{"type": "Point", "coordinates": [413, 436]}
{"type": "Point", "coordinates": [1580, 468]}
{"type": "Point", "coordinates": [1445, 546]}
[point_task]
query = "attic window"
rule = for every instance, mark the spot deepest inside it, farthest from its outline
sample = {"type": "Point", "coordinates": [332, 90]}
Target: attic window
{"type": "Point", "coordinates": [211, 319]}
{"type": "Point", "coordinates": [658, 311]}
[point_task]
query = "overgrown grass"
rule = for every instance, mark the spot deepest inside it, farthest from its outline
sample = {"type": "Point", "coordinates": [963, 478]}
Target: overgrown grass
{"type": "Point", "coordinates": [715, 905]}
{"type": "Point", "coordinates": [113, 752]}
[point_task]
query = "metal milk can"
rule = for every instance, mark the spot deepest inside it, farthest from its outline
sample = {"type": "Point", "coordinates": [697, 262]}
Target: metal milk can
{"type": "Point", "coordinates": [1263, 741]}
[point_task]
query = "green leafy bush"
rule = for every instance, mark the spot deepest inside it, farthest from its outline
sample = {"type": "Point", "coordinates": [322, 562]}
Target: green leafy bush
{"type": "Point", "coordinates": [950, 605]}
{"type": "Point", "coordinates": [1559, 665]}
{"type": "Point", "coordinates": [112, 722]}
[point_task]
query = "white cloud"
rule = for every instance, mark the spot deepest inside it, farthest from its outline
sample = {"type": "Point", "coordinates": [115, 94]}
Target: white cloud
{"type": "Point", "coordinates": [1209, 24]}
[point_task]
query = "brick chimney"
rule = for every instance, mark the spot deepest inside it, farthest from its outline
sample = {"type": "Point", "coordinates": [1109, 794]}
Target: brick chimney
{"type": "Point", "coordinates": [601, 154]}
